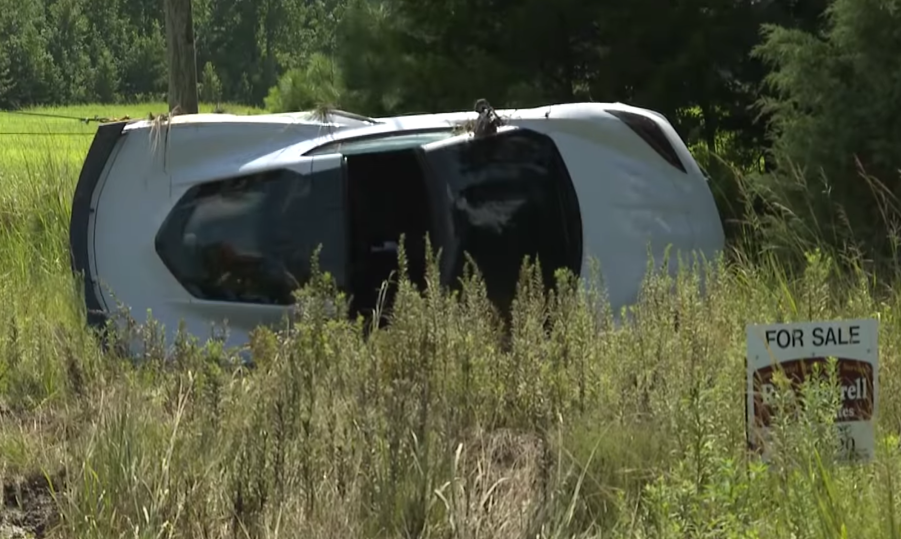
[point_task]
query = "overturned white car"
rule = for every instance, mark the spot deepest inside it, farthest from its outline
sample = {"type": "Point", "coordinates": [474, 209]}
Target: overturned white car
{"type": "Point", "coordinates": [212, 218]}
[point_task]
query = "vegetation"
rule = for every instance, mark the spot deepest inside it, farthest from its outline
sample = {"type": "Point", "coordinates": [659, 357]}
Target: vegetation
{"type": "Point", "coordinates": [441, 425]}
{"type": "Point", "coordinates": [437, 426]}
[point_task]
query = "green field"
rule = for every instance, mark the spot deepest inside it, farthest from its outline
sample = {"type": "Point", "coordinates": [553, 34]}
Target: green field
{"type": "Point", "coordinates": [437, 427]}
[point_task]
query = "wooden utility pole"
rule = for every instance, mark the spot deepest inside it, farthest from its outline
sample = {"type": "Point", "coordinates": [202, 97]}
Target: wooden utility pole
{"type": "Point", "coordinates": [182, 59]}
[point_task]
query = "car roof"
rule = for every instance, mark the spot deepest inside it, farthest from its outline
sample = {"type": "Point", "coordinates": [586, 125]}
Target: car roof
{"type": "Point", "coordinates": [341, 121]}
{"type": "Point", "coordinates": [247, 143]}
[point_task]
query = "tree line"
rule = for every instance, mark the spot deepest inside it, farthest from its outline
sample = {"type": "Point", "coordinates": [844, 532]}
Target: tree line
{"type": "Point", "coordinates": [785, 102]}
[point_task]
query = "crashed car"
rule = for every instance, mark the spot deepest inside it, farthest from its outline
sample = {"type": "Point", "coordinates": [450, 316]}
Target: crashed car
{"type": "Point", "coordinates": [212, 218]}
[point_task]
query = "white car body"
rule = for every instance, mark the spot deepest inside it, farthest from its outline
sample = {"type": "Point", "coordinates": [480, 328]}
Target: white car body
{"type": "Point", "coordinates": [629, 197]}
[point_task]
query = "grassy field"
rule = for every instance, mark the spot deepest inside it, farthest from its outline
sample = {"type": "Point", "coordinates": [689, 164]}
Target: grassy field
{"type": "Point", "coordinates": [437, 427]}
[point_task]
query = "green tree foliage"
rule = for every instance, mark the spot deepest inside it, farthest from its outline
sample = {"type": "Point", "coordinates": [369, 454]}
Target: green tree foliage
{"type": "Point", "coordinates": [318, 84]}
{"type": "Point", "coordinates": [413, 56]}
{"type": "Point", "coordinates": [834, 114]}
{"type": "Point", "coordinates": [23, 40]}
{"type": "Point", "coordinates": [210, 85]}
{"type": "Point", "coordinates": [73, 51]}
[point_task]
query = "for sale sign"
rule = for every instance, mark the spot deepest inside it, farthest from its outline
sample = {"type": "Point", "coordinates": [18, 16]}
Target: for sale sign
{"type": "Point", "coordinates": [795, 350]}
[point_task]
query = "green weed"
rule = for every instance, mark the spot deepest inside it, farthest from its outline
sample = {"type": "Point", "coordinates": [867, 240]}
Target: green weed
{"type": "Point", "coordinates": [436, 426]}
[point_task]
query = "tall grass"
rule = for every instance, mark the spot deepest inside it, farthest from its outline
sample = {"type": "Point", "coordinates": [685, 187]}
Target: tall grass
{"type": "Point", "coordinates": [440, 425]}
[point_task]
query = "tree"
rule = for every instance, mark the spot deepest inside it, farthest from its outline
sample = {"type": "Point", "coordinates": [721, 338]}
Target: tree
{"type": "Point", "coordinates": [7, 85]}
{"type": "Point", "coordinates": [835, 104]}
{"type": "Point", "coordinates": [69, 49]}
{"type": "Point", "coordinates": [182, 58]}
{"type": "Point", "coordinates": [35, 80]}
{"type": "Point", "coordinates": [319, 84]}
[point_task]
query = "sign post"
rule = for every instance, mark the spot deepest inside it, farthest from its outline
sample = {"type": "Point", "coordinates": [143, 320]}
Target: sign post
{"type": "Point", "coordinates": [795, 349]}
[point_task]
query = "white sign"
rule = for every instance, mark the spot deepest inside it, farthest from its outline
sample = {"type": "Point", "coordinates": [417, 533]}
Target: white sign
{"type": "Point", "coordinates": [795, 349]}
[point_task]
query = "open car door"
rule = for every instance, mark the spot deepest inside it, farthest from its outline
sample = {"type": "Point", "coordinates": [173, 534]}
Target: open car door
{"type": "Point", "coordinates": [505, 196]}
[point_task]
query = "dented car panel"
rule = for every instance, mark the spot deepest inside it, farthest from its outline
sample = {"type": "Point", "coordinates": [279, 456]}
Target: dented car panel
{"type": "Point", "coordinates": [212, 218]}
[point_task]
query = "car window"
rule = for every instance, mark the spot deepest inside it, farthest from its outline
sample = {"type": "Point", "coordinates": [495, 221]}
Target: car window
{"type": "Point", "coordinates": [381, 143]}
{"type": "Point", "coordinates": [510, 197]}
{"type": "Point", "coordinates": [250, 239]}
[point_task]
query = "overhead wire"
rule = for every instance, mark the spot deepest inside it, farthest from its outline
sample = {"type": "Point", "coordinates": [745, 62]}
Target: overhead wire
{"type": "Point", "coordinates": [44, 134]}
{"type": "Point", "coordinates": [84, 120]}
{"type": "Point", "coordinates": [87, 120]}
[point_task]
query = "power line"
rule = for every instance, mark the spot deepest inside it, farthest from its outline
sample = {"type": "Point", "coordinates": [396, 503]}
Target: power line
{"type": "Point", "coordinates": [46, 134]}
{"type": "Point", "coordinates": [43, 114]}
{"type": "Point", "coordinates": [87, 120]}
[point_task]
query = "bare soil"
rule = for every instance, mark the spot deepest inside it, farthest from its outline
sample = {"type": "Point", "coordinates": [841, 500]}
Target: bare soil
{"type": "Point", "coordinates": [28, 508]}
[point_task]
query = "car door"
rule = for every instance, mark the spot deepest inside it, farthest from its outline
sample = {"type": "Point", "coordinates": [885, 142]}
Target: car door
{"type": "Point", "coordinates": [241, 246]}
{"type": "Point", "coordinates": [505, 196]}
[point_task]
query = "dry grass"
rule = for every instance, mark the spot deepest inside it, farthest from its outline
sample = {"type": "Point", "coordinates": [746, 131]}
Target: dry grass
{"type": "Point", "coordinates": [437, 426]}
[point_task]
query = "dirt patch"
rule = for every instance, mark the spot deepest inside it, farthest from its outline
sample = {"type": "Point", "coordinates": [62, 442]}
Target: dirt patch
{"type": "Point", "coordinates": [28, 508]}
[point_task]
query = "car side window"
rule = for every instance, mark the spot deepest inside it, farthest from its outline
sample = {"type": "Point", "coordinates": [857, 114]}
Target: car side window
{"type": "Point", "coordinates": [250, 239]}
